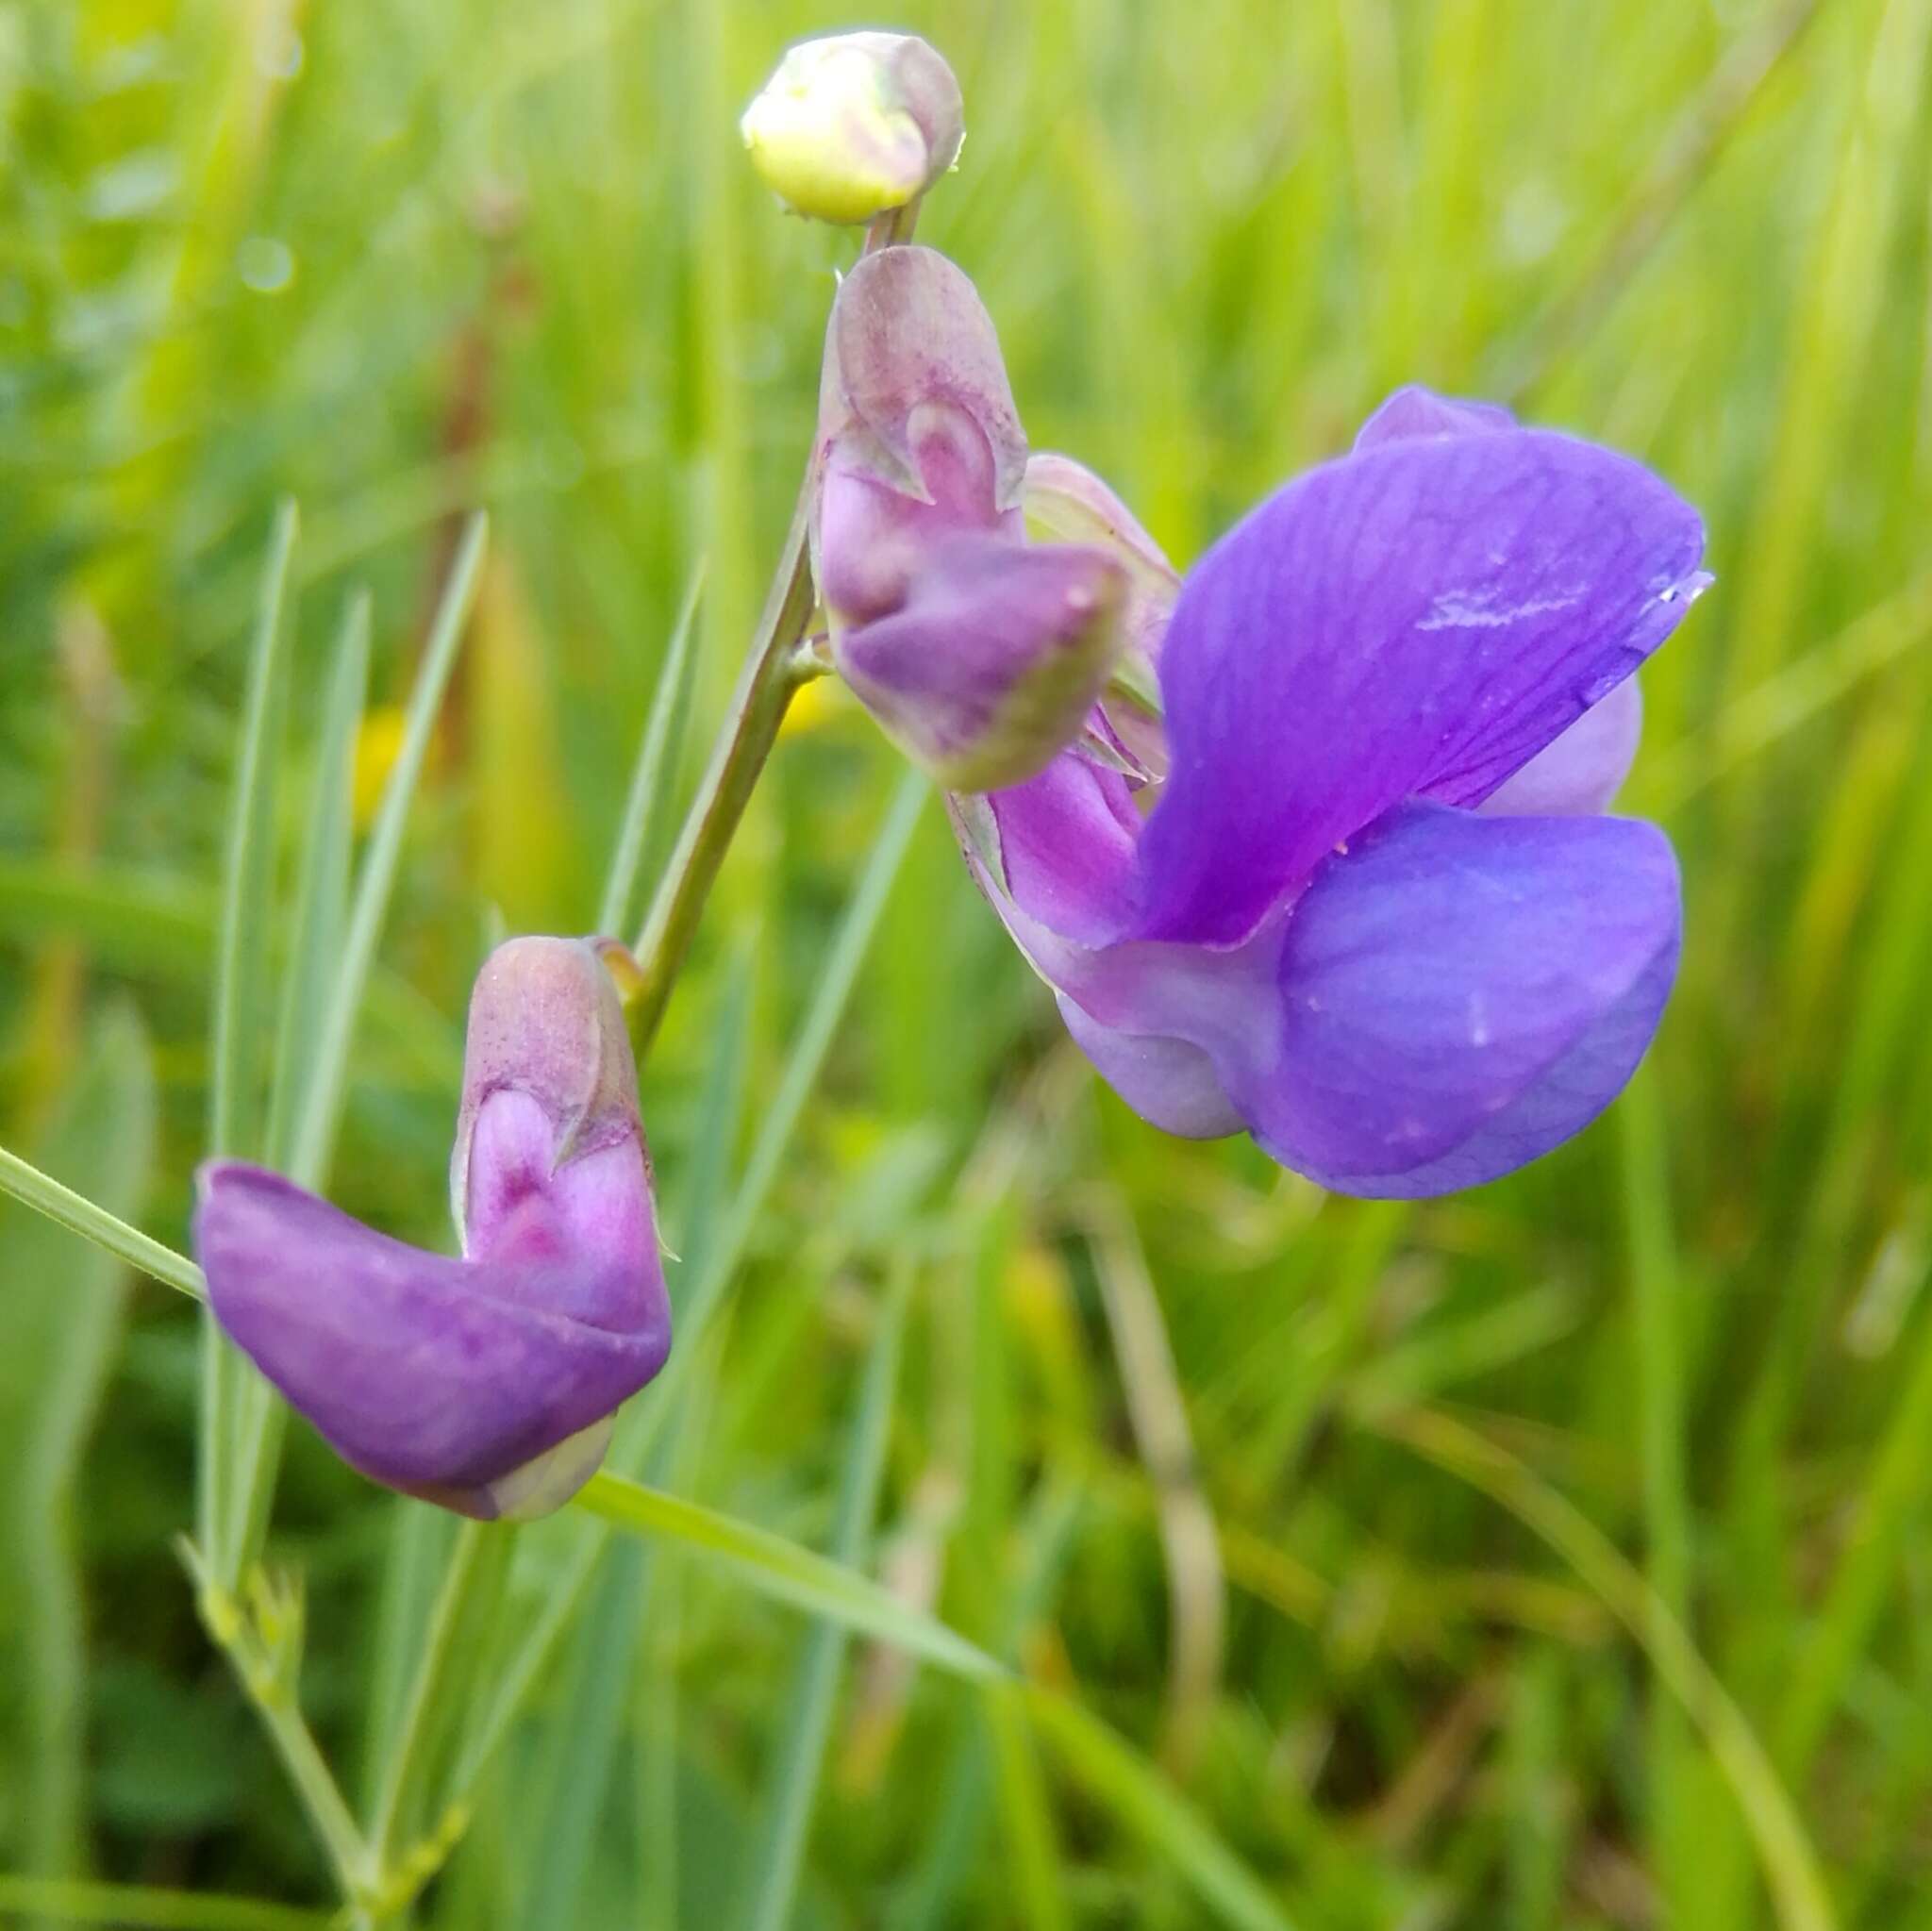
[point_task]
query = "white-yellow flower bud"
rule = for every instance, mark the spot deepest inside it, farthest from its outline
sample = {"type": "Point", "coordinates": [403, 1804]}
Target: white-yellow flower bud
{"type": "Point", "coordinates": [855, 124]}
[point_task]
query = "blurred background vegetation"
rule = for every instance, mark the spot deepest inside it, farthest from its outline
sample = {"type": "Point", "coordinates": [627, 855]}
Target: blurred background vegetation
{"type": "Point", "coordinates": [1379, 1527]}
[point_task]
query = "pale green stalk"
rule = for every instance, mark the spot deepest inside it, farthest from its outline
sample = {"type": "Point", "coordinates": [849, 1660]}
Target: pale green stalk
{"type": "Point", "coordinates": [312, 1131]}
{"type": "Point", "coordinates": [241, 969]}
{"type": "Point", "coordinates": [1799, 1893]}
{"type": "Point", "coordinates": [779, 1853]}
{"type": "Point", "coordinates": [46, 1195]}
{"type": "Point", "coordinates": [652, 779]}
{"type": "Point", "coordinates": [406, 1767]}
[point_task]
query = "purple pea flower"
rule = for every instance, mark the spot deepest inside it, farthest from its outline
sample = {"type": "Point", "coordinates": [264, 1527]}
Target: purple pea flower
{"type": "Point", "coordinates": [488, 1384]}
{"type": "Point", "coordinates": [980, 654]}
{"type": "Point", "coordinates": [1353, 893]}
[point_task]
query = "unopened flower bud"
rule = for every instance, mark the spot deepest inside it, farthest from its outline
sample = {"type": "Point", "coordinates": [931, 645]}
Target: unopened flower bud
{"type": "Point", "coordinates": [488, 1384]}
{"type": "Point", "coordinates": [854, 125]}
{"type": "Point", "coordinates": [919, 438]}
{"type": "Point", "coordinates": [980, 654]}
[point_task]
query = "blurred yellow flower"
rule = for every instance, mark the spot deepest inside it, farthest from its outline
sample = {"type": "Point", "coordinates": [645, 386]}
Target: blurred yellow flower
{"type": "Point", "coordinates": [822, 702]}
{"type": "Point", "coordinates": [378, 745]}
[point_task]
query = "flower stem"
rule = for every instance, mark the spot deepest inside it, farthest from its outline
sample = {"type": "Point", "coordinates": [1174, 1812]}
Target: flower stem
{"type": "Point", "coordinates": [403, 1773]}
{"type": "Point", "coordinates": [259, 1630]}
{"type": "Point", "coordinates": [772, 672]}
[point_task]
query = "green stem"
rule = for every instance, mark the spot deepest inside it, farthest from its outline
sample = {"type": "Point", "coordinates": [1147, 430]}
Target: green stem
{"type": "Point", "coordinates": [268, 1674]}
{"type": "Point", "coordinates": [772, 672]}
{"type": "Point", "coordinates": [308, 1771]}
{"type": "Point", "coordinates": [46, 1195]}
{"type": "Point", "coordinates": [403, 1773]}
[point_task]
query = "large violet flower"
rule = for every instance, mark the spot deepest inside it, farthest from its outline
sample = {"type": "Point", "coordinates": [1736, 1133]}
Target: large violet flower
{"type": "Point", "coordinates": [488, 1384]}
{"type": "Point", "coordinates": [1351, 892]}
{"type": "Point", "coordinates": [978, 653]}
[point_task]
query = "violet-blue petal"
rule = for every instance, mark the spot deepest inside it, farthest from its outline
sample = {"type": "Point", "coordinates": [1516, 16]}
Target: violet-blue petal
{"type": "Point", "coordinates": [1173, 1084]}
{"type": "Point", "coordinates": [1462, 985]}
{"type": "Point", "coordinates": [1582, 771]}
{"type": "Point", "coordinates": [1066, 841]}
{"type": "Point", "coordinates": [993, 660]}
{"type": "Point", "coordinates": [428, 1373]}
{"type": "Point", "coordinates": [1551, 1109]}
{"type": "Point", "coordinates": [1418, 619]}
{"type": "Point", "coordinates": [1413, 410]}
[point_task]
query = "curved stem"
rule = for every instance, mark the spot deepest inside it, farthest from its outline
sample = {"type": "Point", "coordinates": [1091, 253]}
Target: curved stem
{"type": "Point", "coordinates": [772, 672]}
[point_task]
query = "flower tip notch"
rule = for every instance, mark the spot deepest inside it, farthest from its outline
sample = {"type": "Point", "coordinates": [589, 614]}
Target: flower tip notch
{"type": "Point", "coordinates": [855, 125]}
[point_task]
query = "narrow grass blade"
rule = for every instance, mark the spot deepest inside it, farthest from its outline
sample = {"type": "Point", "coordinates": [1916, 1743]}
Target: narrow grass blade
{"type": "Point", "coordinates": [1149, 1804]}
{"type": "Point", "coordinates": [241, 968]}
{"type": "Point", "coordinates": [60, 1346]}
{"type": "Point", "coordinates": [407, 1765]}
{"type": "Point", "coordinates": [257, 1451]}
{"type": "Point", "coordinates": [654, 781]}
{"type": "Point", "coordinates": [837, 977]}
{"type": "Point", "coordinates": [46, 1195]}
{"type": "Point", "coordinates": [419, 1545]}
{"type": "Point", "coordinates": [315, 1127]}
{"type": "Point", "coordinates": [1191, 1542]}
{"type": "Point", "coordinates": [147, 1908]}
{"type": "Point", "coordinates": [1654, 1286]}
{"type": "Point", "coordinates": [567, 1796]}
{"type": "Point", "coordinates": [1026, 1810]}
{"type": "Point", "coordinates": [783, 1569]}
{"type": "Point", "coordinates": [779, 1852]}
{"type": "Point", "coordinates": [322, 888]}
{"type": "Point", "coordinates": [239, 995]}
{"type": "Point", "coordinates": [1890, 1507]}
{"type": "Point", "coordinates": [1791, 1864]}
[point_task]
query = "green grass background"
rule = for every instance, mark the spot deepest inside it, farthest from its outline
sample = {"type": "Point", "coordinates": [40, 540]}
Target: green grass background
{"type": "Point", "coordinates": [1412, 1542]}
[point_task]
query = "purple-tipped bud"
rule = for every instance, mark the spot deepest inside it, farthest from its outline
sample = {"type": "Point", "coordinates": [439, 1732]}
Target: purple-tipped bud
{"type": "Point", "coordinates": [854, 125]}
{"type": "Point", "coordinates": [981, 656]}
{"type": "Point", "coordinates": [488, 1384]}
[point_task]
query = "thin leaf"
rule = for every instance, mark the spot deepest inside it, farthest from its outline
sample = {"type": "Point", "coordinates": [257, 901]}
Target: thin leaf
{"type": "Point", "coordinates": [647, 806]}
{"type": "Point", "coordinates": [1791, 1865]}
{"type": "Point", "coordinates": [775, 1861]}
{"type": "Point", "coordinates": [151, 1908]}
{"type": "Point", "coordinates": [34, 1189]}
{"type": "Point", "coordinates": [1144, 1799]}
{"type": "Point", "coordinates": [837, 977]}
{"type": "Point", "coordinates": [779, 1568]}
{"type": "Point", "coordinates": [322, 888]}
{"type": "Point", "coordinates": [240, 990]}
{"type": "Point", "coordinates": [63, 1326]}
{"type": "Point", "coordinates": [316, 1125]}
{"type": "Point", "coordinates": [263, 1415]}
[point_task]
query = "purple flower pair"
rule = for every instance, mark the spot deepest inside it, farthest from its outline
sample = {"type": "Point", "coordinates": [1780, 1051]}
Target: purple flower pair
{"type": "Point", "coordinates": [1345, 883]}
{"type": "Point", "coordinates": [1309, 845]}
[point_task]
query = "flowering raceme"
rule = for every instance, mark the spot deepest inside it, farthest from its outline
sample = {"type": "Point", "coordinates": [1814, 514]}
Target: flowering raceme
{"type": "Point", "coordinates": [978, 653]}
{"type": "Point", "coordinates": [488, 1384]}
{"type": "Point", "coordinates": [1350, 889]}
